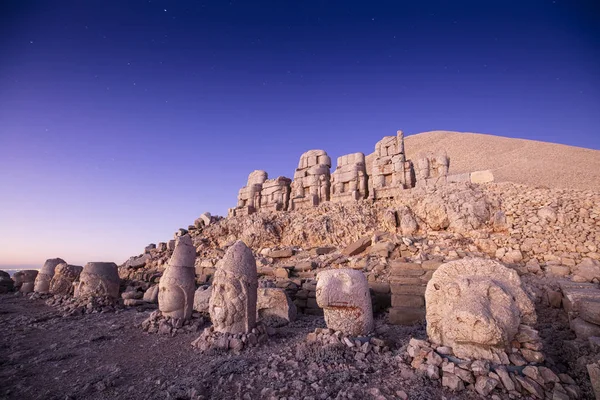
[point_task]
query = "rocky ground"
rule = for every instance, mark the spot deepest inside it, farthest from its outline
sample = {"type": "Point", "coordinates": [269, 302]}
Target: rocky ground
{"type": "Point", "coordinates": [44, 355]}
{"type": "Point", "coordinates": [71, 349]}
{"type": "Point", "coordinates": [47, 355]}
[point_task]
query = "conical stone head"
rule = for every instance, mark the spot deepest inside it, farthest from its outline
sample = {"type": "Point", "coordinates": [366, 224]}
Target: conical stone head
{"type": "Point", "coordinates": [177, 285]}
{"type": "Point", "coordinates": [42, 281]}
{"type": "Point", "coordinates": [232, 304]}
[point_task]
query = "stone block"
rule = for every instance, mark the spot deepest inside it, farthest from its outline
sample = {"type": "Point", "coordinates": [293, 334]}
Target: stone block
{"type": "Point", "coordinates": [380, 287]}
{"type": "Point", "coordinates": [407, 300]}
{"type": "Point", "coordinates": [482, 176]}
{"type": "Point", "coordinates": [405, 315]}
{"type": "Point", "coordinates": [357, 247]}
{"type": "Point", "coordinates": [397, 288]}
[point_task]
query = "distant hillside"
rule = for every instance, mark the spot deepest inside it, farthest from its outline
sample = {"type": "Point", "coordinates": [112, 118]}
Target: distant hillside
{"type": "Point", "coordinates": [514, 160]}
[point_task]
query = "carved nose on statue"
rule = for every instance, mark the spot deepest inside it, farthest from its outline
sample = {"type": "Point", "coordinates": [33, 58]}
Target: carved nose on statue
{"type": "Point", "coordinates": [474, 325]}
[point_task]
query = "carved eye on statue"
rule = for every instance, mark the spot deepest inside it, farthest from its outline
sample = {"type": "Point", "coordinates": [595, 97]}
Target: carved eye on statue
{"type": "Point", "coordinates": [453, 290]}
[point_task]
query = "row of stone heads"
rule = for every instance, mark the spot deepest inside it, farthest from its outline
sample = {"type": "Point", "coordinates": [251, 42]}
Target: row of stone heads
{"type": "Point", "coordinates": [313, 183]}
{"type": "Point", "coordinates": [57, 277]}
{"type": "Point", "coordinates": [475, 306]}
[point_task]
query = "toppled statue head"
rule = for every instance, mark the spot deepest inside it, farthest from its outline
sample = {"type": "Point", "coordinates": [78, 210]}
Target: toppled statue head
{"type": "Point", "coordinates": [98, 279]}
{"type": "Point", "coordinates": [476, 306]}
{"type": "Point", "coordinates": [232, 304]}
{"type": "Point", "coordinates": [42, 281]}
{"type": "Point", "coordinates": [64, 276]}
{"type": "Point", "coordinates": [177, 285]}
{"type": "Point", "coordinates": [25, 279]}
{"type": "Point", "coordinates": [344, 296]}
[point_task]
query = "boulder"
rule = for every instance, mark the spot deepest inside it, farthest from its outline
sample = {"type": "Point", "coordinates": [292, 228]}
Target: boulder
{"type": "Point", "coordinates": [589, 310]}
{"type": "Point", "coordinates": [583, 329]}
{"type": "Point", "coordinates": [274, 307]}
{"type": "Point", "coordinates": [6, 283]}
{"type": "Point", "coordinates": [202, 298]}
{"type": "Point", "coordinates": [357, 247]}
{"type": "Point", "coordinates": [151, 294]}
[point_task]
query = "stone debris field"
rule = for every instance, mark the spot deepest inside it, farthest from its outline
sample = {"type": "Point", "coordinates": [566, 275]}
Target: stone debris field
{"type": "Point", "coordinates": [388, 278]}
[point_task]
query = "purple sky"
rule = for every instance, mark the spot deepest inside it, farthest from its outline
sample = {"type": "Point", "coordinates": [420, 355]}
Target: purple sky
{"type": "Point", "coordinates": [123, 121]}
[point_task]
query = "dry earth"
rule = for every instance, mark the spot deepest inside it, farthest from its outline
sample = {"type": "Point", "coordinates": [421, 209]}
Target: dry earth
{"type": "Point", "coordinates": [522, 161]}
{"type": "Point", "coordinates": [107, 356]}
{"type": "Point", "coordinates": [44, 355]}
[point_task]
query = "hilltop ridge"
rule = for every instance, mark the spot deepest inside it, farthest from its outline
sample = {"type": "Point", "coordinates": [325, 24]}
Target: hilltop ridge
{"type": "Point", "coordinates": [528, 162]}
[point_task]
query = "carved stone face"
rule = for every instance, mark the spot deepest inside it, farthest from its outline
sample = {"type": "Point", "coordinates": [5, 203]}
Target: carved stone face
{"type": "Point", "coordinates": [177, 285]}
{"type": "Point", "coordinates": [228, 303]}
{"type": "Point", "coordinates": [474, 305]}
{"type": "Point", "coordinates": [344, 296]}
{"type": "Point", "coordinates": [98, 279]}
{"type": "Point", "coordinates": [64, 276]}
{"type": "Point", "coordinates": [24, 280]}
{"type": "Point", "coordinates": [42, 281]}
{"type": "Point", "coordinates": [232, 304]}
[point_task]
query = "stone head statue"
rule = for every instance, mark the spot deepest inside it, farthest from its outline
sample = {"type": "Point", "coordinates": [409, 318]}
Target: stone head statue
{"type": "Point", "coordinates": [64, 276]}
{"type": "Point", "coordinates": [475, 306]}
{"type": "Point", "coordinates": [25, 279]}
{"type": "Point", "coordinates": [178, 283]}
{"type": "Point", "coordinates": [42, 281]}
{"type": "Point", "coordinates": [98, 279]}
{"type": "Point", "coordinates": [257, 177]}
{"type": "Point", "coordinates": [232, 304]}
{"type": "Point", "coordinates": [344, 296]}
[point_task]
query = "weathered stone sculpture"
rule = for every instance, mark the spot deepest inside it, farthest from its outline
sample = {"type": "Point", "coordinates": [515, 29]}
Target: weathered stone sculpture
{"type": "Point", "coordinates": [177, 285]}
{"type": "Point", "coordinates": [98, 279]}
{"type": "Point", "coordinates": [432, 169]}
{"type": "Point", "coordinates": [312, 180]}
{"type": "Point", "coordinates": [42, 281]}
{"type": "Point", "coordinates": [349, 180]}
{"type": "Point", "coordinates": [232, 304]}
{"type": "Point", "coordinates": [64, 276]}
{"type": "Point", "coordinates": [390, 170]}
{"type": "Point", "coordinates": [25, 280]}
{"type": "Point", "coordinates": [249, 195]}
{"type": "Point", "coordinates": [275, 194]}
{"type": "Point", "coordinates": [475, 306]}
{"type": "Point", "coordinates": [344, 296]}
{"type": "Point", "coordinates": [6, 283]}
{"type": "Point", "coordinates": [274, 307]}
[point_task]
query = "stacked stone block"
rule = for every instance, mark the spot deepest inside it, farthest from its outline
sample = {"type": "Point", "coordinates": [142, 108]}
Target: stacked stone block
{"type": "Point", "coordinates": [408, 282]}
{"type": "Point", "coordinates": [312, 180]}
{"type": "Point", "coordinates": [349, 180]}
{"type": "Point", "coordinates": [306, 298]}
{"type": "Point", "coordinates": [390, 171]}
{"type": "Point", "coordinates": [249, 195]}
{"type": "Point", "coordinates": [275, 194]}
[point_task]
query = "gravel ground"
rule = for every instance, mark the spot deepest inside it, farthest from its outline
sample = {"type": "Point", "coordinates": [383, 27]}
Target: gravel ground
{"type": "Point", "coordinates": [106, 356]}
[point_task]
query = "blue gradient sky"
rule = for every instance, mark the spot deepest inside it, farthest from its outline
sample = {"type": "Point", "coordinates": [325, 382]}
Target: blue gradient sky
{"type": "Point", "coordinates": [122, 121]}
